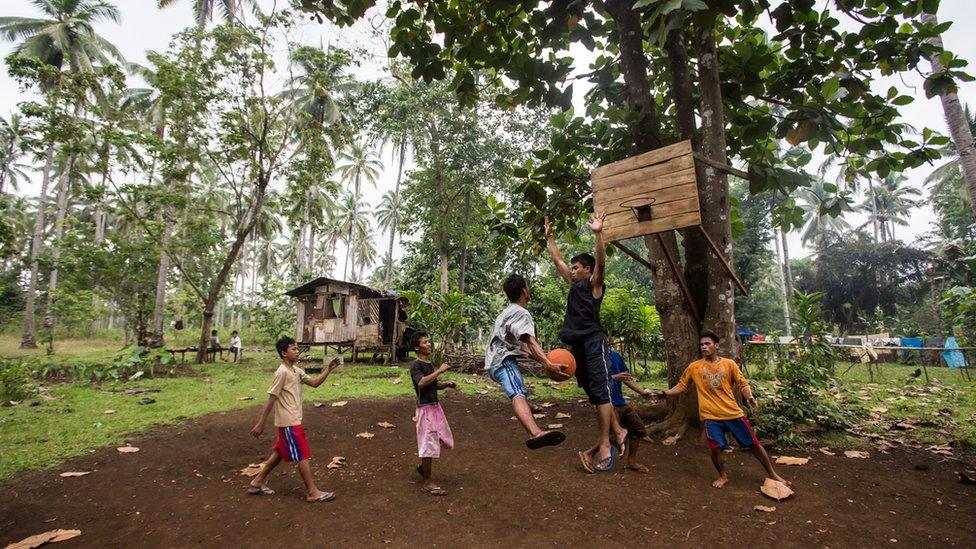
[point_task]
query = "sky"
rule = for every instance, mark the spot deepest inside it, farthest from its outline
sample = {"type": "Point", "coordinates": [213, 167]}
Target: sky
{"type": "Point", "coordinates": [144, 27]}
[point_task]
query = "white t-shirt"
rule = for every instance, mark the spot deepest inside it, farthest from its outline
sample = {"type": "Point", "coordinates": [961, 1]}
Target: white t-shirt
{"type": "Point", "coordinates": [506, 336]}
{"type": "Point", "coordinates": [235, 342]}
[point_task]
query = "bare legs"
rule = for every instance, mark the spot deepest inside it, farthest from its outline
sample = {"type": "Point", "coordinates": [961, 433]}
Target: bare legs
{"type": "Point", "coordinates": [429, 485]}
{"type": "Point", "coordinates": [524, 414]}
{"type": "Point", "coordinates": [304, 469]}
{"type": "Point", "coordinates": [757, 450]}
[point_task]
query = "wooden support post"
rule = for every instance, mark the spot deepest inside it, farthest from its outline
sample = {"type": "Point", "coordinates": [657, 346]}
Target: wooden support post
{"type": "Point", "coordinates": [724, 262]}
{"type": "Point", "coordinates": [673, 263]}
{"type": "Point", "coordinates": [719, 166]}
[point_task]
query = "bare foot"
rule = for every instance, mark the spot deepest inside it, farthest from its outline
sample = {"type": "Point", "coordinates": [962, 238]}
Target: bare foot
{"type": "Point", "coordinates": [781, 479]}
{"type": "Point", "coordinates": [720, 482]}
{"type": "Point", "coordinates": [637, 467]}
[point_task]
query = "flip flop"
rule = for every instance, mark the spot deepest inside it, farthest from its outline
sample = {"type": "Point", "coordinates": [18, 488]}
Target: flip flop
{"type": "Point", "coordinates": [435, 491]}
{"type": "Point", "coordinates": [608, 460]}
{"type": "Point", "coordinates": [586, 463]}
{"type": "Point", "coordinates": [549, 438]}
{"type": "Point", "coordinates": [260, 491]}
{"type": "Point", "coordinates": [326, 496]}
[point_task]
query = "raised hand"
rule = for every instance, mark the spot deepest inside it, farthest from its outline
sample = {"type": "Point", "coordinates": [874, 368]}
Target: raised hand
{"type": "Point", "coordinates": [596, 224]}
{"type": "Point", "coordinates": [335, 363]}
{"type": "Point", "coordinates": [547, 225]}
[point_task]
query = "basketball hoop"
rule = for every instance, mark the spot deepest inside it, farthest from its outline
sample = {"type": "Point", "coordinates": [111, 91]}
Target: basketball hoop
{"type": "Point", "coordinates": [641, 206]}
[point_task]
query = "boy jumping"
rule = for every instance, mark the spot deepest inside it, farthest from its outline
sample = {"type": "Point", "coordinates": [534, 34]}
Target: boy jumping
{"type": "Point", "coordinates": [513, 336]}
{"type": "Point", "coordinates": [714, 379]}
{"type": "Point", "coordinates": [588, 341]}
{"type": "Point", "coordinates": [433, 432]}
{"type": "Point", "coordinates": [285, 398]}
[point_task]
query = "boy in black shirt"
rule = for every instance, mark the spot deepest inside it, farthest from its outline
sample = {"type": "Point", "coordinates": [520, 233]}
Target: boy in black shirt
{"type": "Point", "coordinates": [433, 432]}
{"type": "Point", "coordinates": [588, 341]}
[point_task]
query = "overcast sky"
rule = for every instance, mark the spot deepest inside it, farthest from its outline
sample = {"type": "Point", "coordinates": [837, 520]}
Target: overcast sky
{"type": "Point", "coordinates": [146, 28]}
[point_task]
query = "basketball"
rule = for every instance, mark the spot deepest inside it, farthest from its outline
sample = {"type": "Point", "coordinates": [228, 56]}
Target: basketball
{"type": "Point", "coordinates": [562, 356]}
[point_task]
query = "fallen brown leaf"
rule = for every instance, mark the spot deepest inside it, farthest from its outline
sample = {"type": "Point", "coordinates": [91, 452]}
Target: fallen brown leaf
{"type": "Point", "coordinates": [671, 440]}
{"type": "Point", "coordinates": [879, 409]}
{"type": "Point", "coordinates": [52, 536]}
{"type": "Point", "coordinates": [547, 404]}
{"type": "Point", "coordinates": [764, 508]}
{"type": "Point", "coordinates": [790, 460]}
{"type": "Point", "coordinates": [857, 454]}
{"type": "Point", "coordinates": [109, 412]}
{"type": "Point", "coordinates": [470, 381]}
{"type": "Point", "coordinates": [251, 470]}
{"type": "Point", "coordinates": [127, 449]}
{"type": "Point", "coordinates": [775, 489]}
{"type": "Point", "coordinates": [482, 392]}
{"type": "Point", "coordinates": [563, 415]}
{"type": "Point", "coordinates": [67, 474]}
{"type": "Point", "coordinates": [245, 398]}
{"type": "Point", "coordinates": [554, 426]}
{"type": "Point", "coordinates": [397, 380]}
{"type": "Point", "coordinates": [826, 451]}
{"type": "Point", "coordinates": [337, 462]}
{"type": "Point", "coordinates": [319, 404]}
{"type": "Point", "coordinates": [538, 416]}
{"type": "Point", "coordinates": [386, 425]}
{"type": "Point", "coordinates": [339, 403]}
{"type": "Point", "coordinates": [366, 434]}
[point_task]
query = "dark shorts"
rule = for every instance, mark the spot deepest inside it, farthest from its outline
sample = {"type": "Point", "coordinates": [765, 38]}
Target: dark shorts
{"type": "Point", "coordinates": [593, 368]}
{"type": "Point", "coordinates": [742, 432]}
{"type": "Point", "coordinates": [630, 420]}
{"type": "Point", "coordinates": [234, 350]}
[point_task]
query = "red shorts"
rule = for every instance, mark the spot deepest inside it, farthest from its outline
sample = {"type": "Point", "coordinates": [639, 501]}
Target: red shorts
{"type": "Point", "coordinates": [292, 444]}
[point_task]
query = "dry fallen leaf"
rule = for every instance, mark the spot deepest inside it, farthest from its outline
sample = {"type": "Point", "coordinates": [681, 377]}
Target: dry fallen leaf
{"type": "Point", "coordinates": [554, 426]}
{"type": "Point", "coordinates": [366, 434]}
{"type": "Point", "coordinates": [547, 404]}
{"type": "Point", "coordinates": [52, 536]}
{"type": "Point", "coordinates": [337, 462]}
{"type": "Point", "coordinates": [339, 403]}
{"type": "Point", "coordinates": [386, 425]}
{"type": "Point", "coordinates": [109, 412]}
{"type": "Point", "coordinates": [790, 460]}
{"type": "Point", "coordinates": [826, 451]}
{"type": "Point", "coordinates": [470, 381]}
{"type": "Point", "coordinates": [776, 489]}
{"type": "Point", "coordinates": [670, 441]}
{"type": "Point", "coordinates": [563, 415]}
{"type": "Point", "coordinates": [127, 449]}
{"type": "Point", "coordinates": [67, 474]}
{"type": "Point", "coordinates": [397, 380]}
{"type": "Point", "coordinates": [251, 470]}
{"type": "Point", "coordinates": [764, 508]}
{"type": "Point", "coordinates": [319, 404]}
{"type": "Point", "coordinates": [856, 454]}
{"type": "Point", "coordinates": [245, 398]}
{"type": "Point", "coordinates": [538, 416]}
{"type": "Point", "coordinates": [879, 409]}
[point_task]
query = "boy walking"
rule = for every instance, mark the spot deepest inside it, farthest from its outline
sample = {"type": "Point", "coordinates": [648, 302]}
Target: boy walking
{"type": "Point", "coordinates": [588, 341]}
{"type": "Point", "coordinates": [714, 378]}
{"type": "Point", "coordinates": [285, 398]}
{"type": "Point", "coordinates": [513, 336]}
{"type": "Point", "coordinates": [235, 346]}
{"type": "Point", "coordinates": [433, 432]}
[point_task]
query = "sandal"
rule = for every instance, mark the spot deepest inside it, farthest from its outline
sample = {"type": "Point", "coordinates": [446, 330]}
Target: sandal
{"type": "Point", "coordinates": [600, 468]}
{"type": "Point", "coordinates": [326, 496]}
{"type": "Point", "coordinates": [435, 491]}
{"type": "Point", "coordinates": [260, 491]}
{"type": "Point", "coordinates": [587, 464]}
{"type": "Point", "coordinates": [548, 438]}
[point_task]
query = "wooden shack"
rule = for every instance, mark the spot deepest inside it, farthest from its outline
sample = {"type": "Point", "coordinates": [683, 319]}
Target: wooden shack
{"type": "Point", "coordinates": [349, 317]}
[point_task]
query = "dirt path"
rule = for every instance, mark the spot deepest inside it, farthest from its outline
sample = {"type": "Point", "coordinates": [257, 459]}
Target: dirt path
{"type": "Point", "coordinates": [183, 489]}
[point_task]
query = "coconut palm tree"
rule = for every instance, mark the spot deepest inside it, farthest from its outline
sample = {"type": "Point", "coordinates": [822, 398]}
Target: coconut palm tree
{"type": "Point", "coordinates": [64, 37]}
{"type": "Point", "coordinates": [823, 212]}
{"type": "Point", "coordinates": [12, 169]}
{"type": "Point", "coordinates": [317, 83]}
{"type": "Point", "coordinates": [203, 10]}
{"type": "Point", "coordinates": [894, 200]}
{"type": "Point", "coordinates": [357, 161]}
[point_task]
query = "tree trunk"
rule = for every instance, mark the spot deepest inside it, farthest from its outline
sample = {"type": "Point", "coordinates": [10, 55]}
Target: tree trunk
{"type": "Point", "coordinates": [100, 204]}
{"type": "Point", "coordinates": [157, 337]}
{"type": "Point", "coordinates": [441, 234]}
{"type": "Point", "coordinates": [29, 338]}
{"type": "Point", "coordinates": [787, 268]}
{"type": "Point", "coordinates": [874, 210]}
{"type": "Point", "coordinates": [396, 204]}
{"type": "Point", "coordinates": [784, 286]}
{"type": "Point", "coordinates": [463, 263]}
{"type": "Point", "coordinates": [64, 190]}
{"type": "Point", "coordinates": [959, 129]}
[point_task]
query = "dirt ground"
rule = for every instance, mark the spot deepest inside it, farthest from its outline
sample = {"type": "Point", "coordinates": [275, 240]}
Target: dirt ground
{"type": "Point", "coordinates": [183, 488]}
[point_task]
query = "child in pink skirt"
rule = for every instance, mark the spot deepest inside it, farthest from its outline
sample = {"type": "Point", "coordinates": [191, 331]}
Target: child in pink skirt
{"type": "Point", "coordinates": [433, 432]}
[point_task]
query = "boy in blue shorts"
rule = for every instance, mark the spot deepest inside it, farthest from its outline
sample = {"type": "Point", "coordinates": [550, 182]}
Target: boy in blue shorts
{"type": "Point", "coordinates": [714, 378]}
{"type": "Point", "coordinates": [513, 336]}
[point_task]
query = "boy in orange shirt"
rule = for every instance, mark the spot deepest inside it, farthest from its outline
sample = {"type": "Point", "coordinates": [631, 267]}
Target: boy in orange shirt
{"type": "Point", "coordinates": [714, 379]}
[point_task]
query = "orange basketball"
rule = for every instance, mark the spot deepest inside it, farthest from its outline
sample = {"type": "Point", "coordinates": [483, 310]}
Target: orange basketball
{"type": "Point", "coordinates": [562, 356]}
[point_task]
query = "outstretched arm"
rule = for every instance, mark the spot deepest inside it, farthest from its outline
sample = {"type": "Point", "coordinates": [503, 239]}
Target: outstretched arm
{"type": "Point", "coordinates": [628, 380]}
{"type": "Point", "coordinates": [557, 258]}
{"type": "Point", "coordinates": [320, 379]}
{"type": "Point", "coordinates": [600, 253]}
{"type": "Point", "coordinates": [535, 351]}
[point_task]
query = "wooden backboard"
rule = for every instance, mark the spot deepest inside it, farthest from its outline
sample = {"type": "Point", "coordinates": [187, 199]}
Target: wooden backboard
{"type": "Point", "coordinates": [666, 175]}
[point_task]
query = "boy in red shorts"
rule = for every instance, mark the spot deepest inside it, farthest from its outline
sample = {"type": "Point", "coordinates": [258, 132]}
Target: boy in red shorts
{"type": "Point", "coordinates": [714, 379]}
{"type": "Point", "coordinates": [285, 398]}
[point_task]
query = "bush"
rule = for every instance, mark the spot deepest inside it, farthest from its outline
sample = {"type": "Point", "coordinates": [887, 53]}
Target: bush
{"type": "Point", "coordinates": [15, 383]}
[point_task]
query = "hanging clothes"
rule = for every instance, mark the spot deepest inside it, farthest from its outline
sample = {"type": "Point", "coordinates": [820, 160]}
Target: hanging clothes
{"type": "Point", "coordinates": [953, 359]}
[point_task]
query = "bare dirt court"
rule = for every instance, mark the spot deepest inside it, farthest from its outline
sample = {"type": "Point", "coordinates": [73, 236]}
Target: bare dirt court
{"type": "Point", "coordinates": [183, 488]}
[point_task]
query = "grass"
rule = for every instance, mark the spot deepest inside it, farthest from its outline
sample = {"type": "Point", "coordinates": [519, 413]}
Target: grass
{"type": "Point", "coordinates": [74, 421]}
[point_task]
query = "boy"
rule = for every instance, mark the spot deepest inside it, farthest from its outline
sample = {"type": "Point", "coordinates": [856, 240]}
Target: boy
{"type": "Point", "coordinates": [235, 346]}
{"type": "Point", "coordinates": [587, 340]}
{"type": "Point", "coordinates": [214, 346]}
{"type": "Point", "coordinates": [626, 415]}
{"type": "Point", "coordinates": [285, 398]}
{"type": "Point", "coordinates": [433, 432]}
{"type": "Point", "coordinates": [714, 379]}
{"type": "Point", "coordinates": [513, 336]}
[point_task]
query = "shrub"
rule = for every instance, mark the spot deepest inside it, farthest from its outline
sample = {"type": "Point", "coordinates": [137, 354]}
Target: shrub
{"type": "Point", "coordinates": [15, 383]}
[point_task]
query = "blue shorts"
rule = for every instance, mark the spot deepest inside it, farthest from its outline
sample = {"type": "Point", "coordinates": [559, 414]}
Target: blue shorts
{"type": "Point", "coordinates": [509, 377]}
{"type": "Point", "coordinates": [715, 430]}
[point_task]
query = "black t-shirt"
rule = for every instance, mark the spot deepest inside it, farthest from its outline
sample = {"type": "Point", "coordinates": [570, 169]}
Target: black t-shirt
{"type": "Point", "coordinates": [428, 394]}
{"type": "Point", "coordinates": [582, 320]}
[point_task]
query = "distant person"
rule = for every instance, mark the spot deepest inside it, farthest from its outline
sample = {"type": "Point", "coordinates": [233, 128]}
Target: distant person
{"type": "Point", "coordinates": [433, 431]}
{"type": "Point", "coordinates": [715, 378]}
{"type": "Point", "coordinates": [235, 346]}
{"type": "Point", "coordinates": [214, 346]}
{"type": "Point", "coordinates": [513, 336]}
{"type": "Point", "coordinates": [285, 398]}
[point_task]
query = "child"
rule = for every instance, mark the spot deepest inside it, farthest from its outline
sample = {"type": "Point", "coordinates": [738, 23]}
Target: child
{"type": "Point", "coordinates": [214, 346]}
{"type": "Point", "coordinates": [235, 346]}
{"type": "Point", "coordinates": [586, 337]}
{"type": "Point", "coordinates": [714, 379]}
{"type": "Point", "coordinates": [285, 398]}
{"type": "Point", "coordinates": [513, 332]}
{"type": "Point", "coordinates": [626, 415]}
{"type": "Point", "coordinates": [433, 432]}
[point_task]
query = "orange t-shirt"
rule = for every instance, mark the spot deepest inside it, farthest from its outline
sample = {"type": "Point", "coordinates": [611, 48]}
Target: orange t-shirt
{"type": "Point", "coordinates": [714, 382]}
